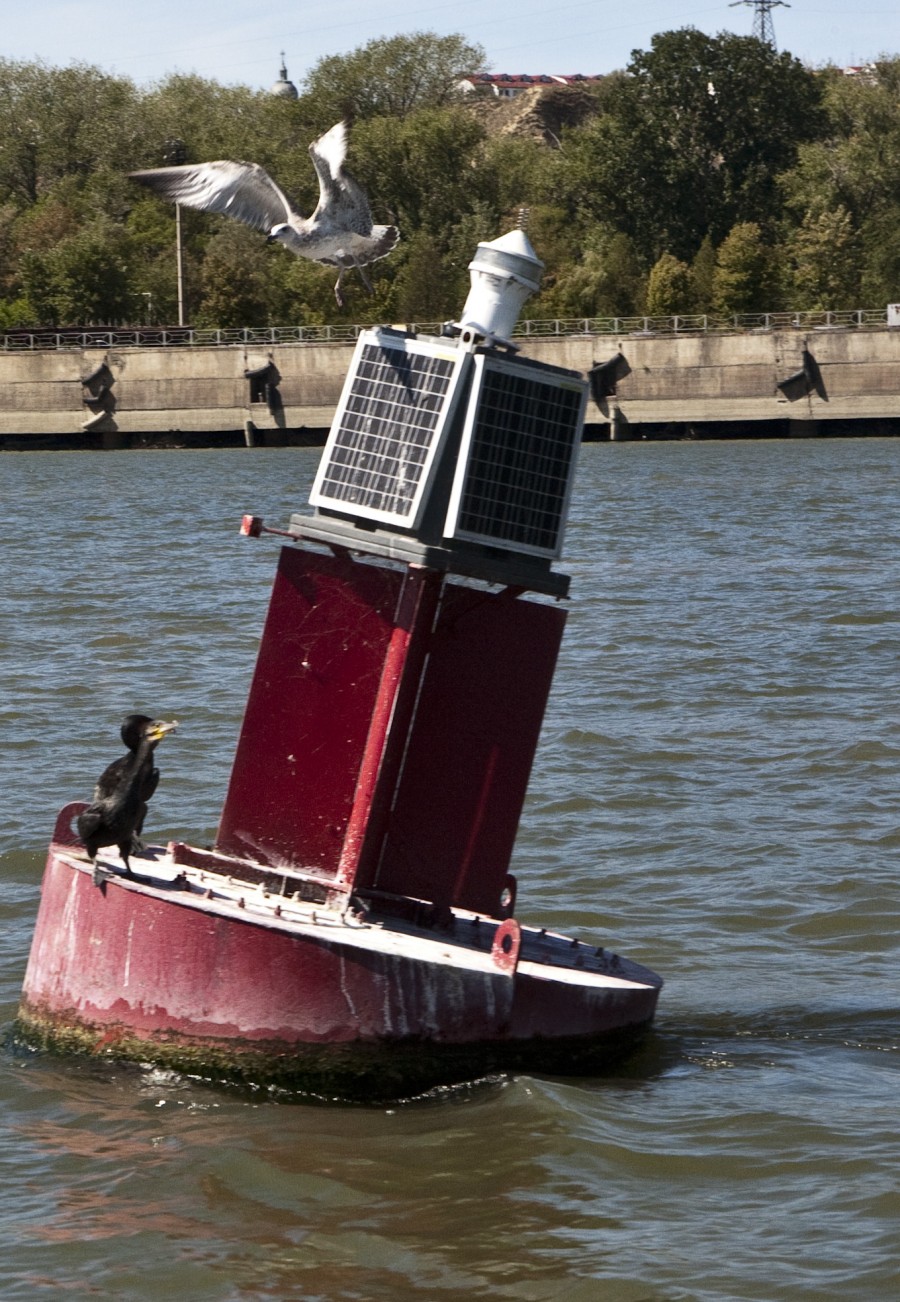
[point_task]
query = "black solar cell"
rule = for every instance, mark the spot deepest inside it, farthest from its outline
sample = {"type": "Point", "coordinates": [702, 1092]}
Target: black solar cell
{"type": "Point", "coordinates": [514, 474]}
{"type": "Point", "coordinates": [388, 427]}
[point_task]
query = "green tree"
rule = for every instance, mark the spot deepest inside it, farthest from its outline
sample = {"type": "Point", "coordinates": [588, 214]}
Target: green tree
{"type": "Point", "coordinates": [235, 279]}
{"type": "Point", "coordinates": [303, 294]}
{"type": "Point", "coordinates": [214, 121]}
{"type": "Point", "coordinates": [84, 279]}
{"type": "Point", "coordinates": [743, 278]}
{"type": "Point", "coordinates": [703, 270]}
{"type": "Point", "coordinates": [670, 287]}
{"type": "Point", "coordinates": [392, 77]}
{"type": "Point", "coordinates": [880, 254]}
{"type": "Point", "coordinates": [700, 139]}
{"type": "Point", "coordinates": [853, 168]}
{"type": "Point", "coordinates": [604, 280]}
{"type": "Point", "coordinates": [419, 168]}
{"type": "Point", "coordinates": [512, 172]}
{"type": "Point", "coordinates": [424, 290]}
{"type": "Point", "coordinates": [854, 162]}
{"type": "Point", "coordinates": [693, 140]}
{"type": "Point", "coordinates": [60, 122]}
{"type": "Point", "coordinates": [826, 261]}
{"type": "Point", "coordinates": [32, 235]}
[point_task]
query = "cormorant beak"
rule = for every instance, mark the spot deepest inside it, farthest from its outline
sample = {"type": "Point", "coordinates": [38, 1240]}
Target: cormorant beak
{"type": "Point", "coordinates": [158, 729]}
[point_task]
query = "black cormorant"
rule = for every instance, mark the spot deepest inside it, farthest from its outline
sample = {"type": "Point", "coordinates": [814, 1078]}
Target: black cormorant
{"type": "Point", "coordinates": [117, 811]}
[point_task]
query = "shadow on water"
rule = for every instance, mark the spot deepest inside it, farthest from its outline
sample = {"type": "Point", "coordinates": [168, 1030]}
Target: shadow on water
{"type": "Point", "coordinates": [745, 1035]}
{"type": "Point", "coordinates": [673, 1046]}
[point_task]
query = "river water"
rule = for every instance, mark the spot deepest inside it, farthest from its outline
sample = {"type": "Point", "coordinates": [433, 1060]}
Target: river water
{"type": "Point", "coordinates": [716, 795]}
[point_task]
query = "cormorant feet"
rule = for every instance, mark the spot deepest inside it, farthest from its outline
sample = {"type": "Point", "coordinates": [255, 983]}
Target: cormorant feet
{"type": "Point", "coordinates": [99, 876]}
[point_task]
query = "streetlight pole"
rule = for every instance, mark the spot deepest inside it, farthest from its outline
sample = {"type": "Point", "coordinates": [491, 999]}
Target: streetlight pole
{"type": "Point", "coordinates": [179, 264]}
{"type": "Point", "coordinates": [175, 153]}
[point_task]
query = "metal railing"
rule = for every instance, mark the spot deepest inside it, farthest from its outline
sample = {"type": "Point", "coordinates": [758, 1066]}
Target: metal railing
{"type": "Point", "coordinates": [683, 324]}
{"type": "Point", "coordinates": [174, 336]}
{"type": "Point", "coordinates": [262, 336]}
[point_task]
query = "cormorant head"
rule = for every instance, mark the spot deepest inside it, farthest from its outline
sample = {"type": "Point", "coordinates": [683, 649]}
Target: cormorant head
{"type": "Point", "coordinates": [137, 726]}
{"type": "Point", "coordinates": [158, 729]}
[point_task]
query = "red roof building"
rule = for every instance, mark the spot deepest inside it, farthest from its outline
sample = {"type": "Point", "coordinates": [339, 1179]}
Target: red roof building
{"type": "Point", "coordinates": [507, 85]}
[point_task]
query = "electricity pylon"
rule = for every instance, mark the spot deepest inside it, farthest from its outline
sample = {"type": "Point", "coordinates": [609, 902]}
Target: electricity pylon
{"type": "Point", "coordinates": [763, 28]}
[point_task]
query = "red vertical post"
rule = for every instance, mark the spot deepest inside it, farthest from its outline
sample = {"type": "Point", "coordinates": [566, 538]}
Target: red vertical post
{"type": "Point", "coordinates": [391, 718]}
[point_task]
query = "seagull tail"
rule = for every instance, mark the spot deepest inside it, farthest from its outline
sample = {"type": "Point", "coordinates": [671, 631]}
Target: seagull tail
{"type": "Point", "coordinates": [384, 238]}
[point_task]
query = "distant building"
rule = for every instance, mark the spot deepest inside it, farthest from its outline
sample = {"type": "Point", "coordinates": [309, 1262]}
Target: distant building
{"type": "Point", "coordinates": [507, 85]}
{"type": "Point", "coordinates": [284, 88]}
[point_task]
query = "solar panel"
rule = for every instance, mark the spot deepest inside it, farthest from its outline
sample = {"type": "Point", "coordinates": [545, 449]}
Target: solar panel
{"type": "Point", "coordinates": [517, 458]}
{"type": "Point", "coordinates": [393, 414]}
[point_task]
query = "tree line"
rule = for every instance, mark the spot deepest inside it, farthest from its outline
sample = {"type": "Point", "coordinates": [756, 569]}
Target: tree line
{"type": "Point", "coordinates": [713, 174]}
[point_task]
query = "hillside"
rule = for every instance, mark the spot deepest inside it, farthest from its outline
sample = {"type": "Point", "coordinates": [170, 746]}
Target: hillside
{"type": "Point", "coordinates": [541, 113]}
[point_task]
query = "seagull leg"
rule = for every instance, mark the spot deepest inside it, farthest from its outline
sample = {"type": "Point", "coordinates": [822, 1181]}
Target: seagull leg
{"type": "Point", "coordinates": [337, 288]}
{"type": "Point", "coordinates": [364, 276]}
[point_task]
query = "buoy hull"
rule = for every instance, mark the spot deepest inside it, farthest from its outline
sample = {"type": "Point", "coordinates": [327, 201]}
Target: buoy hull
{"type": "Point", "coordinates": [201, 972]}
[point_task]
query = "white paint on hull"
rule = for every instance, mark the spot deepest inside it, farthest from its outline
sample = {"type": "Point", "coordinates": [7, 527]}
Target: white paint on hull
{"type": "Point", "coordinates": [220, 895]}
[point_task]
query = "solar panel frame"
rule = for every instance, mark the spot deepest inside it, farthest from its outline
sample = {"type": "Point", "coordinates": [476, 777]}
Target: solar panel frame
{"type": "Point", "coordinates": [393, 416]}
{"type": "Point", "coordinates": [519, 448]}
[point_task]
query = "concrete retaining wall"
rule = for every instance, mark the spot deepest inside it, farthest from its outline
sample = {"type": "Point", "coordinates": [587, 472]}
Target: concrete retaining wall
{"type": "Point", "coordinates": [689, 383]}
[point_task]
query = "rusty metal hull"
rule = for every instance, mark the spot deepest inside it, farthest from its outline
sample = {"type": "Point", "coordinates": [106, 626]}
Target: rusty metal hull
{"type": "Point", "coordinates": [196, 969]}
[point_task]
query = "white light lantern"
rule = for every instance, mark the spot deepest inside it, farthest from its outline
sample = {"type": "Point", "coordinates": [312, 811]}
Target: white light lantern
{"type": "Point", "coordinates": [503, 274]}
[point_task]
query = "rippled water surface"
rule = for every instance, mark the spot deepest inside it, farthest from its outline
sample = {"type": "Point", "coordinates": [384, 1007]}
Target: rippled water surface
{"type": "Point", "coordinates": [716, 794]}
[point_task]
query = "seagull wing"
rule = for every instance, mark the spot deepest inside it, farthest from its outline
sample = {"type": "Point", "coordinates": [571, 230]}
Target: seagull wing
{"type": "Point", "coordinates": [328, 154]}
{"type": "Point", "coordinates": [244, 191]}
{"type": "Point", "coordinates": [342, 201]}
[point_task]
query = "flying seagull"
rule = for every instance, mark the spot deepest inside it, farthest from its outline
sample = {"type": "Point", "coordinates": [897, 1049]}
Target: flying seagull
{"type": "Point", "coordinates": [340, 232]}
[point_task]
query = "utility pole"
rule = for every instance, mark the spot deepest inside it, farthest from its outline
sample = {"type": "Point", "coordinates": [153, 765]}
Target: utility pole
{"type": "Point", "coordinates": [763, 28]}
